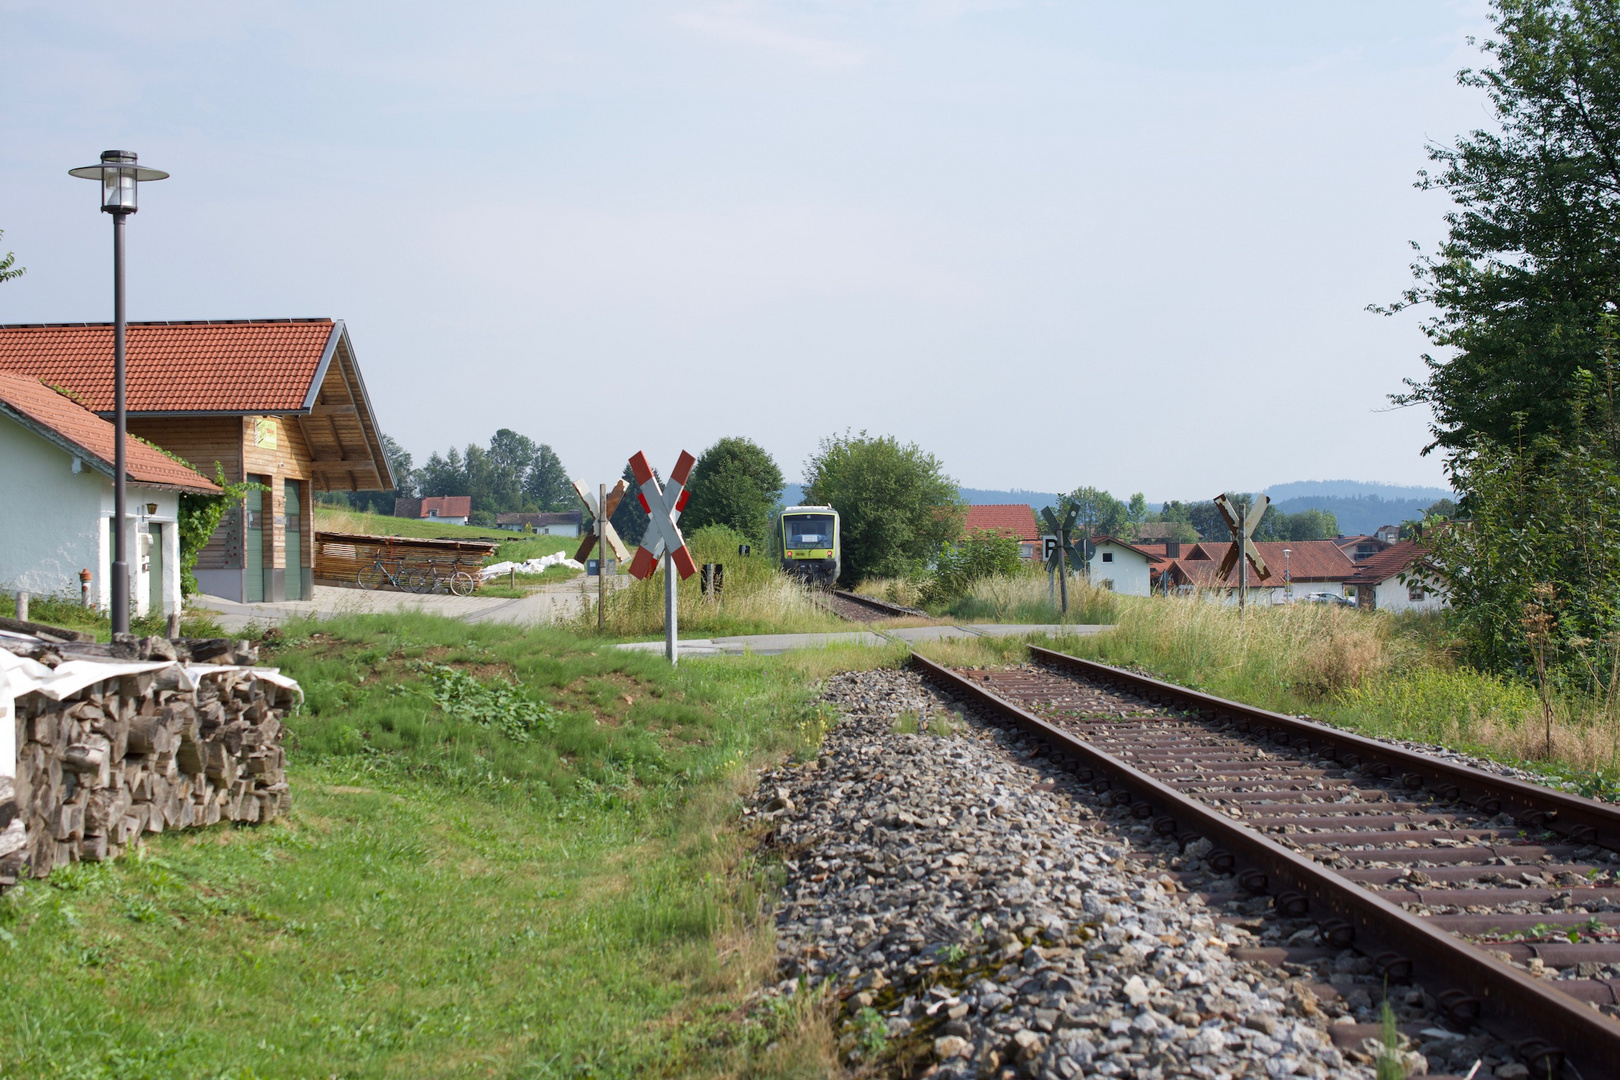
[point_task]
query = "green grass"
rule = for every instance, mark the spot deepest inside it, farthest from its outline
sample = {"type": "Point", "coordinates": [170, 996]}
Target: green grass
{"type": "Point", "coordinates": [530, 868]}
{"type": "Point", "coordinates": [515, 547]}
{"type": "Point", "coordinates": [70, 614]}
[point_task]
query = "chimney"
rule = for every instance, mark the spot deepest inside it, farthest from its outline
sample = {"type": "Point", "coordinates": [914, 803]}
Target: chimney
{"type": "Point", "coordinates": [1172, 548]}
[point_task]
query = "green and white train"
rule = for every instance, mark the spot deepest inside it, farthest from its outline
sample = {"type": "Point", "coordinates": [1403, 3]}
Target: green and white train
{"type": "Point", "coordinates": [810, 550]}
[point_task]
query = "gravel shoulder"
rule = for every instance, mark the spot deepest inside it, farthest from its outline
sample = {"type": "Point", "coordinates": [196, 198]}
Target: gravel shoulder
{"type": "Point", "coordinates": [973, 913]}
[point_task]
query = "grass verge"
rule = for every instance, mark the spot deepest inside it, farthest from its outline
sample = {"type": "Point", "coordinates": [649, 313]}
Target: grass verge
{"type": "Point", "coordinates": [510, 854]}
{"type": "Point", "coordinates": [69, 614]}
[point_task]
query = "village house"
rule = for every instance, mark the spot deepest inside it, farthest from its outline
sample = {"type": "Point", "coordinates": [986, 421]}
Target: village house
{"type": "Point", "coordinates": [555, 523]}
{"type": "Point", "coordinates": [1310, 566]}
{"type": "Point", "coordinates": [279, 402]}
{"type": "Point", "coordinates": [1377, 583]}
{"type": "Point", "coordinates": [57, 490]}
{"type": "Point", "coordinates": [1124, 568]}
{"type": "Point", "coordinates": [448, 509]}
{"type": "Point", "coordinates": [1016, 520]}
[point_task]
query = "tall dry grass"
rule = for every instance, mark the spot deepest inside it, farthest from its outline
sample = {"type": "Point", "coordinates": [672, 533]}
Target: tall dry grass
{"type": "Point", "coordinates": [1025, 597]}
{"type": "Point", "coordinates": [757, 599]}
{"type": "Point", "coordinates": [1379, 674]}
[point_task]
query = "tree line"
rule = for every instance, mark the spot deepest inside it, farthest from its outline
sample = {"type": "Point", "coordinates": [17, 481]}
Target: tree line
{"type": "Point", "coordinates": [513, 474]}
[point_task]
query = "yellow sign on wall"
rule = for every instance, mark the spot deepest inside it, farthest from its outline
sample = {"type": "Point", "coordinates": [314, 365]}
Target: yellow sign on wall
{"type": "Point", "coordinates": [264, 432]}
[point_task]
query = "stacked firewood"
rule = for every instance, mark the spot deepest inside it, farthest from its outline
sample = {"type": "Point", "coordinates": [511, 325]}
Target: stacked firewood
{"type": "Point", "coordinates": [143, 753]}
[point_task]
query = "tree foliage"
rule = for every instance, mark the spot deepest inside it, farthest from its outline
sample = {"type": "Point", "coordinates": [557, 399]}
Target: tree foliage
{"type": "Point", "coordinates": [513, 474]}
{"type": "Point", "coordinates": [8, 264]}
{"type": "Point", "coordinates": [981, 554]}
{"type": "Point", "coordinates": [629, 519]}
{"type": "Point", "coordinates": [1541, 529]}
{"type": "Point", "coordinates": [1531, 261]}
{"type": "Point", "coordinates": [735, 483]}
{"type": "Point", "coordinates": [895, 504]}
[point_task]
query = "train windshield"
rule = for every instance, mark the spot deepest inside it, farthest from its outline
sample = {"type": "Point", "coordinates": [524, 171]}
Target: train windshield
{"type": "Point", "coordinates": [809, 531]}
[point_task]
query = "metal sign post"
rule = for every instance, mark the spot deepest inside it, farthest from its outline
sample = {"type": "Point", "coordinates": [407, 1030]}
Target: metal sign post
{"type": "Point", "coordinates": [1242, 552]}
{"type": "Point", "coordinates": [663, 539]}
{"type": "Point", "coordinates": [601, 507]}
{"type": "Point", "coordinates": [1062, 550]}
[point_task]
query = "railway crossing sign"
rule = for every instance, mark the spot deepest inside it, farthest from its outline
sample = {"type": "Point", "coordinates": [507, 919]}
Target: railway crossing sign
{"type": "Point", "coordinates": [1060, 549]}
{"type": "Point", "coordinates": [1242, 552]}
{"type": "Point", "coordinates": [663, 539]}
{"type": "Point", "coordinates": [601, 522]}
{"type": "Point", "coordinates": [663, 504]}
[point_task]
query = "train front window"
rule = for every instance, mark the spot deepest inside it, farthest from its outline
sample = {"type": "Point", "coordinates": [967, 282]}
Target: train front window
{"type": "Point", "coordinates": [810, 531]}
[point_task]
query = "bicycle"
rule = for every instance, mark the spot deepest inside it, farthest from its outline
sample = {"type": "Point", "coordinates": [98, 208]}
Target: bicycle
{"type": "Point", "coordinates": [407, 578]}
{"type": "Point", "coordinates": [459, 582]}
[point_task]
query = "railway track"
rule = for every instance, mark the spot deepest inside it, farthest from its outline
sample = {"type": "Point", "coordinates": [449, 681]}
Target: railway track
{"type": "Point", "coordinates": [1501, 897]}
{"type": "Point", "coordinates": [857, 608]}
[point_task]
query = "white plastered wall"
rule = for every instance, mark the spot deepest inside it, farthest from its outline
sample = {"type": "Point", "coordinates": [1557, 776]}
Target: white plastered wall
{"type": "Point", "coordinates": [1128, 570]}
{"type": "Point", "coordinates": [49, 515]}
{"type": "Point", "coordinates": [136, 551]}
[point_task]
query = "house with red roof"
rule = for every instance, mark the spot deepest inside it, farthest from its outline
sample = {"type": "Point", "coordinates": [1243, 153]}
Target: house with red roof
{"type": "Point", "coordinates": [276, 401]}
{"type": "Point", "coordinates": [450, 509]}
{"type": "Point", "coordinates": [1016, 520]}
{"type": "Point", "coordinates": [1298, 569]}
{"type": "Point", "coordinates": [56, 487]}
{"type": "Point", "coordinates": [1394, 580]}
{"type": "Point", "coordinates": [1122, 567]}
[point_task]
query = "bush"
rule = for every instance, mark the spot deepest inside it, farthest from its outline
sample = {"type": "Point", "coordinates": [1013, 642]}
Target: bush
{"type": "Point", "coordinates": [983, 554]}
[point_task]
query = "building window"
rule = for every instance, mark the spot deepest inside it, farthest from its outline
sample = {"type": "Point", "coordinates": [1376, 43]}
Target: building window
{"type": "Point", "coordinates": [1108, 556]}
{"type": "Point", "coordinates": [433, 513]}
{"type": "Point", "coordinates": [1415, 592]}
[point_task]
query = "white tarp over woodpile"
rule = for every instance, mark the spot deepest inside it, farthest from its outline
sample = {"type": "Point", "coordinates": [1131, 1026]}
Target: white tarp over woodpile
{"type": "Point", "coordinates": [530, 566]}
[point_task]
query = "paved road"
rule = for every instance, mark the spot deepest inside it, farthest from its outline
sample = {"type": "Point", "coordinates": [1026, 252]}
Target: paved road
{"type": "Point", "coordinates": [551, 602]}
{"type": "Point", "coordinates": [771, 644]}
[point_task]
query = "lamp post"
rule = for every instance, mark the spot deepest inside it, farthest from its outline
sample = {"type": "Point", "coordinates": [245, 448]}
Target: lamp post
{"type": "Point", "coordinates": [119, 176]}
{"type": "Point", "coordinates": [1288, 577]}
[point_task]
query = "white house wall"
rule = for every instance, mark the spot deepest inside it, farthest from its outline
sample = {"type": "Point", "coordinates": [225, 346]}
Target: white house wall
{"type": "Point", "coordinates": [49, 519]}
{"type": "Point", "coordinates": [1128, 571]}
{"type": "Point", "coordinates": [1393, 595]}
{"type": "Point", "coordinates": [136, 554]}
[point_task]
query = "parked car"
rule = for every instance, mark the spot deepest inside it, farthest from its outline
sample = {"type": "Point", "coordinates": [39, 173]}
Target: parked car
{"type": "Point", "coordinates": [1326, 598]}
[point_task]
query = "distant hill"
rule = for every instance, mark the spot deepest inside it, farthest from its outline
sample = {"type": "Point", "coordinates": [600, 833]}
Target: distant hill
{"type": "Point", "coordinates": [1360, 514]}
{"type": "Point", "coordinates": [1338, 489]}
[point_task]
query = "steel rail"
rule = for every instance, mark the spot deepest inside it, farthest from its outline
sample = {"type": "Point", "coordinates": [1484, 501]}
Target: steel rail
{"type": "Point", "coordinates": [1549, 1027]}
{"type": "Point", "coordinates": [1585, 821]}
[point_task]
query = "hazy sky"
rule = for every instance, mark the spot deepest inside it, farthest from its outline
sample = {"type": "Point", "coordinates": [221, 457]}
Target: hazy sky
{"type": "Point", "coordinates": [1127, 245]}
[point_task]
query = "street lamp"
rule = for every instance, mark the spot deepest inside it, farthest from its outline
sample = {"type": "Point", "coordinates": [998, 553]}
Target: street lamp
{"type": "Point", "coordinates": [1288, 577]}
{"type": "Point", "coordinates": [119, 176]}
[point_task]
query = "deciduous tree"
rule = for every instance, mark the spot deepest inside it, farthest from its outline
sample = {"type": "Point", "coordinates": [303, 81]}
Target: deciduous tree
{"type": "Point", "coordinates": [735, 483]}
{"type": "Point", "coordinates": [895, 504]}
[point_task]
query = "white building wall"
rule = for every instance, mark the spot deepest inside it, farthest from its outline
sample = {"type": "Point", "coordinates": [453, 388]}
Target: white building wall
{"type": "Point", "coordinates": [1394, 595]}
{"type": "Point", "coordinates": [137, 550]}
{"type": "Point", "coordinates": [48, 514]}
{"type": "Point", "coordinates": [1128, 571]}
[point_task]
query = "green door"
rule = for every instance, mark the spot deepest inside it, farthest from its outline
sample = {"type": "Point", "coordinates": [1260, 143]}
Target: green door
{"type": "Point", "coordinates": [154, 579]}
{"type": "Point", "coordinates": [253, 544]}
{"type": "Point", "coordinates": [295, 549]}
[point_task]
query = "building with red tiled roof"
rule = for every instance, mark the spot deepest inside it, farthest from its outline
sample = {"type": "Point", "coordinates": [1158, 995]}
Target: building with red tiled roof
{"type": "Point", "coordinates": [450, 509]}
{"type": "Point", "coordinates": [277, 401]}
{"type": "Point", "coordinates": [56, 486]}
{"type": "Point", "coordinates": [1016, 520]}
{"type": "Point", "coordinates": [1378, 580]}
{"type": "Point", "coordinates": [1310, 566]}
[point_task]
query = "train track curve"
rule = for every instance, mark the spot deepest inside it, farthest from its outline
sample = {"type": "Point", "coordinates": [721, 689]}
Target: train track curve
{"type": "Point", "coordinates": [1501, 896]}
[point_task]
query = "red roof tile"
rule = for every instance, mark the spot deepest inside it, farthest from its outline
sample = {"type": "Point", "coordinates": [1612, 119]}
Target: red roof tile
{"type": "Point", "coordinates": [1010, 519]}
{"type": "Point", "coordinates": [1308, 560]}
{"type": "Point", "coordinates": [40, 407]}
{"type": "Point", "coordinates": [1387, 563]}
{"type": "Point", "coordinates": [248, 366]}
{"type": "Point", "coordinates": [446, 505]}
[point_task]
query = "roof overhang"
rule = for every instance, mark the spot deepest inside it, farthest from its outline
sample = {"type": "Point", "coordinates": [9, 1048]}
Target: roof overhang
{"type": "Point", "coordinates": [88, 456]}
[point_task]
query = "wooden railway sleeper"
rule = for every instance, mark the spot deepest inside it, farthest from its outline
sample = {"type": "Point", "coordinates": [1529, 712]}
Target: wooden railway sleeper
{"type": "Point", "coordinates": [1551, 1025]}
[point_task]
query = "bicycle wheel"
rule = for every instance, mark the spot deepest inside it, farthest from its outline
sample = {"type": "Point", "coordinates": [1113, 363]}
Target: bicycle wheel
{"type": "Point", "coordinates": [372, 577]}
{"type": "Point", "coordinates": [414, 580]}
{"type": "Point", "coordinates": [462, 583]}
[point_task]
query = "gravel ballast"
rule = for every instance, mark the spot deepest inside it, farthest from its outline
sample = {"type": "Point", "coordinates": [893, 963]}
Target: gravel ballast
{"type": "Point", "coordinates": [977, 913]}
